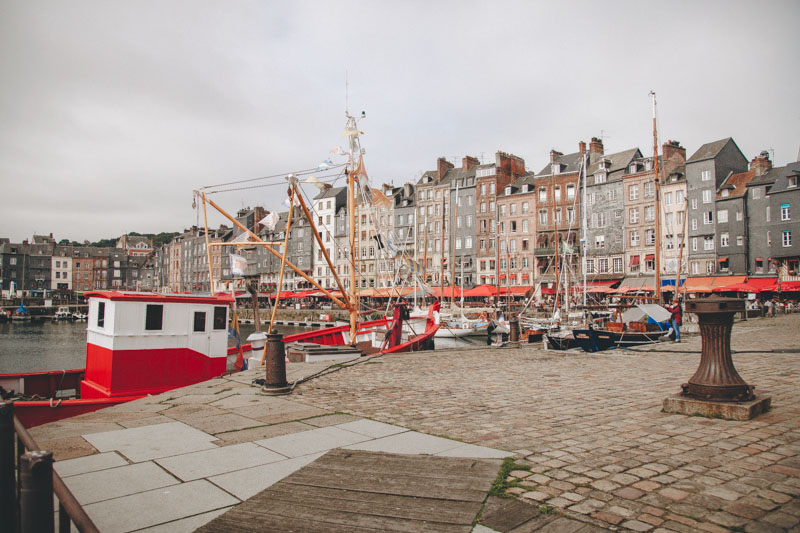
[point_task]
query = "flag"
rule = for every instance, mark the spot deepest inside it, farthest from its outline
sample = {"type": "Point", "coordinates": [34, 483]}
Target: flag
{"type": "Point", "coordinates": [416, 268]}
{"type": "Point", "coordinates": [238, 265]}
{"type": "Point", "coordinates": [270, 221]}
{"type": "Point", "coordinates": [246, 236]}
{"type": "Point", "coordinates": [313, 180]}
{"type": "Point", "coordinates": [361, 172]}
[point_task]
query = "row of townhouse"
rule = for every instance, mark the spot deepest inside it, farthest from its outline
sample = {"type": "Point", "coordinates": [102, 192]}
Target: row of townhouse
{"type": "Point", "coordinates": [41, 266]}
{"type": "Point", "coordinates": [717, 215]}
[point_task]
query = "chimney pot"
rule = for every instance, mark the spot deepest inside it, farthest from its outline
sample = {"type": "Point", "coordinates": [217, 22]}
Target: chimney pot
{"type": "Point", "coordinates": [596, 146]}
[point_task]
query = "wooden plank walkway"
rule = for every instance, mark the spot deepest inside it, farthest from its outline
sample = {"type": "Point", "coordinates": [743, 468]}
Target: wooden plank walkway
{"type": "Point", "coordinates": [358, 491]}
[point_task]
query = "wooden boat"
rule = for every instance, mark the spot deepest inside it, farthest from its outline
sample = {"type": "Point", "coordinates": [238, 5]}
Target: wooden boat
{"type": "Point", "coordinates": [562, 340]}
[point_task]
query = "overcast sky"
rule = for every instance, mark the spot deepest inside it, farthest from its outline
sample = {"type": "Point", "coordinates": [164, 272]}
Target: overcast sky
{"type": "Point", "coordinates": [112, 112]}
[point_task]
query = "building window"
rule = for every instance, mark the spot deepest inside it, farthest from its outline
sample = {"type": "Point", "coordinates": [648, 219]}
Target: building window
{"type": "Point", "coordinates": [739, 240]}
{"type": "Point", "coordinates": [708, 217]}
{"type": "Point", "coordinates": [759, 266]}
{"type": "Point", "coordinates": [667, 198]}
{"type": "Point", "coordinates": [694, 223]}
{"type": "Point", "coordinates": [707, 196]}
{"type": "Point", "coordinates": [709, 267]}
{"type": "Point", "coordinates": [101, 314]}
{"type": "Point", "coordinates": [785, 212]}
{"type": "Point", "coordinates": [755, 193]}
{"type": "Point", "coordinates": [634, 235]}
{"type": "Point", "coordinates": [600, 241]}
{"type": "Point", "coordinates": [590, 266]}
{"type": "Point", "coordinates": [542, 194]}
{"type": "Point", "coordinates": [724, 239]}
{"type": "Point", "coordinates": [649, 189]}
{"type": "Point", "coordinates": [603, 264]}
{"type": "Point", "coordinates": [649, 213]}
{"type": "Point", "coordinates": [705, 175]}
{"type": "Point", "coordinates": [543, 217]}
{"type": "Point", "coordinates": [694, 203]}
{"type": "Point", "coordinates": [570, 192]}
{"type": "Point", "coordinates": [633, 192]}
{"type": "Point", "coordinates": [722, 216]}
{"type": "Point", "coordinates": [695, 267]}
{"type": "Point", "coordinates": [617, 262]}
{"type": "Point", "coordinates": [650, 237]}
{"type": "Point", "coordinates": [524, 208]}
{"type": "Point", "coordinates": [199, 321]}
{"type": "Point", "coordinates": [694, 244]}
{"type": "Point", "coordinates": [768, 214]}
{"type": "Point", "coordinates": [633, 215]}
{"type": "Point", "coordinates": [708, 243]}
{"type": "Point", "coordinates": [154, 317]}
{"type": "Point", "coordinates": [786, 238]}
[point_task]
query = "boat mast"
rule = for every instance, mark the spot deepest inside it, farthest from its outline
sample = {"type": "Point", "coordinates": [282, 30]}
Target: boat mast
{"type": "Point", "coordinates": [441, 256]}
{"type": "Point", "coordinates": [584, 227]}
{"type": "Point", "coordinates": [497, 247]}
{"type": "Point", "coordinates": [352, 191]}
{"type": "Point", "coordinates": [416, 257]}
{"type": "Point", "coordinates": [658, 204]}
{"type": "Point", "coordinates": [555, 234]}
{"type": "Point", "coordinates": [680, 247]}
{"type": "Point", "coordinates": [453, 229]}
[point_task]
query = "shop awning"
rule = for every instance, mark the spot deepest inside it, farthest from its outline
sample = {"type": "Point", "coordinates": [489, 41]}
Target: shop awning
{"type": "Point", "coordinates": [759, 259]}
{"type": "Point", "coordinates": [722, 259]}
{"type": "Point", "coordinates": [634, 260]}
{"type": "Point", "coordinates": [482, 291]}
{"type": "Point", "coordinates": [525, 276]}
{"type": "Point", "coordinates": [635, 284]}
{"type": "Point", "coordinates": [764, 284]}
{"type": "Point", "coordinates": [502, 276]}
{"type": "Point", "coordinates": [721, 281]}
{"type": "Point", "coordinates": [513, 276]}
{"type": "Point", "coordinates": [650, 257]}
{"type": "Point", "coordinates": [790, 286]}
{"type": "Point", "coordinates": [699, 284]}
{"type": "Point", "coordinates": [547, 290]}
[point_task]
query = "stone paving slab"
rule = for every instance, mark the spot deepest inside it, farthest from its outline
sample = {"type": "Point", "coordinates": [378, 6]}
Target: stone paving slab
{"type": "Point", "coordinates": [185, 525]}
{"type": "Point", "coordinates": [207, 463]}
{"type": "Point", "coordinates": [312, 441]}
{"type": "Point", "coordinates": [370, 428]}
{"type": "Point", "coordinates": [410, 442]}
{"type": "Point", "coordinates": [152, 442]}
{"type": "Point", "coordinates": [113, 483]}
{"type": "Point", "coordinates": [247, 483]}
{"type": "Point", "coordinates": [159, 506]}
{"type": "Point", "coordinates": [90, 463]}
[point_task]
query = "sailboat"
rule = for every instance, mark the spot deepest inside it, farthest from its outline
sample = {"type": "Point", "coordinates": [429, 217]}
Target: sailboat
{"type": "Point", "coordinates": [632, 330]}
{"type": "Point", "coordinates": [384, 335]}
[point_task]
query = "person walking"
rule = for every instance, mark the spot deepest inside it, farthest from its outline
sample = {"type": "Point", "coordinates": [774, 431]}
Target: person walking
{"type": "Point", "coordinates": [676, 319]}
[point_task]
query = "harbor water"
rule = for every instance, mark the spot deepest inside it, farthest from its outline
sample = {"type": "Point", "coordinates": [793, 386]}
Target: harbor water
{"type": "Point", "coordinates": [61, 345]}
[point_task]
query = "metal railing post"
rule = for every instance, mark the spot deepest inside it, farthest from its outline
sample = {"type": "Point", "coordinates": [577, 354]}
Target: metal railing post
{"type": "Point", "coordinates": [36, 492]}
{"type": "Point", "coordinates": [8, 491]}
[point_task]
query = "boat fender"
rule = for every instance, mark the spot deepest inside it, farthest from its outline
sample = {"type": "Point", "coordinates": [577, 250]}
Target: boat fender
{"type": "Point", "coordinates": [57, 403]}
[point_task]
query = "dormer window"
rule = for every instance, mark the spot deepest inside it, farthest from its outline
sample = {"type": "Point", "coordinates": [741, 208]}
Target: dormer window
{"type": "Point", "coordinates": [508, 190]}
{"type": "Point", "coordinates": [600, 177]}
{"type": "Point", "coordinates": [525, 187]}
{"type": "Point", "coordinates": [555, 168]}
{"type": "Point", "coordinates": [792, 181]}
{"type": "Point", "coordinates": [726, 193]}
{"type": "Point", "coordinates": [605, 164]}
{"type": "Point", "coordinates": [648, 165]}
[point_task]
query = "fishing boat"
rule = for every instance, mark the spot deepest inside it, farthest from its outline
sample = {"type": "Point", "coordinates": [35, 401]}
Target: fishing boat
{"type": "Point", "coordinates": [63, 313]}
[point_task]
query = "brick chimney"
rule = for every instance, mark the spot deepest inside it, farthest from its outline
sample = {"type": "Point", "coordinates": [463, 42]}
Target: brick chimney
{"type": "Point", "coordinates": [761, 164]}
{"type": "Point", "coordinates": [596, 146]}
{"type": "Point", "coordinates": [554, 155]}
{"type": "Point", "coordinates": [468, 162]}
{"type": "Point", "coordinates": [582, 148]}
{"type": "Point", "coordinates": [673, 149]}
{"type": "Point", "coordinates": [509, 165]}
{"type": "Point", "coordinates": [442, 166]}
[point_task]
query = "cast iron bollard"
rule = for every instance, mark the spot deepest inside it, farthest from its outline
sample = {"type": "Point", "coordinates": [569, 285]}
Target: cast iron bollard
{"type": "Point", "coordinates": [36, 492]}
{"type": "Point", "coordinates": [8, 497]}
{"type": "Point", "coordinates": [275, 382]}
{"type": "Point", "coordinates": [716, 378]}
{"type": "Point", "coordinates": [513, 326]}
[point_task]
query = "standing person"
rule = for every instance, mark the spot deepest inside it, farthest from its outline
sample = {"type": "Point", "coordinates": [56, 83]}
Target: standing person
{"type": "Point", "coordinates": [768, 307]}
{"type": "Point", "coordinates": [676, 319]}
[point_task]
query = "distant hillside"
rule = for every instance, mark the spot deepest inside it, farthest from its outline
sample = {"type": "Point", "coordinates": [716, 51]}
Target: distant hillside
{"type": "Point", "coordinates": [158, 239]}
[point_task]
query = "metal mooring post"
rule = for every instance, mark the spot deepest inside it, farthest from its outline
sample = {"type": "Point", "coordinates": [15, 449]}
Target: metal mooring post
{"type": "Point", "coordinates": [36, 492]}
{"type": "Point", "coordinates": [8, 494]}
{"type": "Point", "coordinates": [716, 378]}
{"type": "Point", "coordinates": [513, 325]}
{"type": "Point", "coordinates": [275, 363]}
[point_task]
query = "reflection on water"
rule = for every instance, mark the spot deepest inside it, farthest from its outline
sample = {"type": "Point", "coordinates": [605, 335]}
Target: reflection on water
{"type": "Point", "coordinates": [51, 345]}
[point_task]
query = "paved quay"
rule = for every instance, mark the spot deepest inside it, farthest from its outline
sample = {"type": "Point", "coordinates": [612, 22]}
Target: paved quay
{"type": "Point", "coordinates": [594, 449]}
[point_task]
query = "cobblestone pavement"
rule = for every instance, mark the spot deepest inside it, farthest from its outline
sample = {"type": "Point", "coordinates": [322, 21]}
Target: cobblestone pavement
{"type": "Point", "coordinates": [590, 426]}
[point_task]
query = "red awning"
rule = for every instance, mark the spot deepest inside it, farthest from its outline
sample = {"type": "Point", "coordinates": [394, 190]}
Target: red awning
{"type": "Point", "coordinates": [525, 276]}
{"type": "Point", "coordinates": [546, 290]}
{"type": "Point", "coordinates": [650, 257]}
{"type": "Point", "coordinates": [790, 286]}
{"type": "Point", "coordinates": [759, 259]}
{"type": "Point", "coordinates": [634, 260]}
{"type": "Point", "coordinates": [722, 259]}
{"type": "Point", "coordinates": [502, 276]}
{"type": "Point", "coordinates": [513, 276]}
{"type": "Point", "coordinates": [763, 283]}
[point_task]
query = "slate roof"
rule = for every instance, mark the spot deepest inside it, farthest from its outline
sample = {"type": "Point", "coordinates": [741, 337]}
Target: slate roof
{"type": "Point", "coordinates": [736, 184]}
{"type": "Point", "coordinates": [766, 178]}
{"type": "Point", "coordinates": [516, 185]}
{"type": "Point", "coordinates": [329, 193]}
{"type": "Point", "coordinates": [782, 183]}
{"type": "Point", "coordinates": [571, 162]}
{"type": "Point", "coordinates": [709, 150]}
{"type": "Point", "coordinates": [619, 161]}
{"type": "Point", "coordinates": [428, 173]}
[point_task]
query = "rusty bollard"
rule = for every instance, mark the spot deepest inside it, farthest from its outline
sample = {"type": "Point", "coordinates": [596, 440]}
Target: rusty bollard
{"type": "Point", "coordinates": [36, 491]}
{"type": "Point", "coordinates": [275, 383]}
{"type": "Point", "coordinates": [716, 378]}
{"type": "Point", "coordinates": [8, 496]}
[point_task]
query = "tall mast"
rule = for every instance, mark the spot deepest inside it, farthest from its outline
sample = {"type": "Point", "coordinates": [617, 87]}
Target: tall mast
{"type": "Point", "coordinates": [583, 225]}
{"type": "Point", "coordinates": [416, 260]}
{"type": "Point", "coordinates": [441, 257]}
{"type": "Point", "coordinates": [352, 191]}
{"type": "Point", "coordinates": [680, 246]}
{"type": "Point", "coordinates": [453, 230]}
{"type": "Point", "coordinates": [555, 232]}
{"type": "Point", "coordinates": [658, 203]}
{"type": "Point", "coordinates": [497, 245]}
